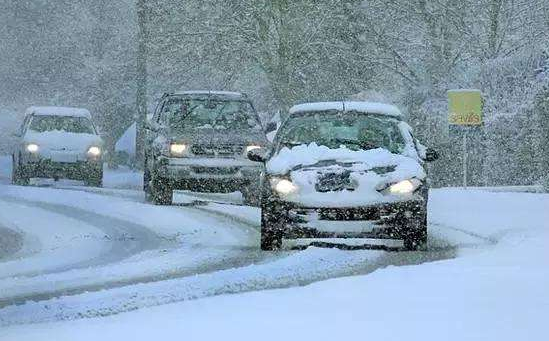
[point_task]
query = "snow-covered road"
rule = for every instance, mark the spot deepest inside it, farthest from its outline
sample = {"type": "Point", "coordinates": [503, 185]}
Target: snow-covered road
{"type": "Point", "coordinates": [76, 252]}
{"type": "Point", "coordinates": [166, 246]}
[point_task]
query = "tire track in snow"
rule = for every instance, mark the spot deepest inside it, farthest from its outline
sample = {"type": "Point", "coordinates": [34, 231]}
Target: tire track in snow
{"type": "Point", "coordinates": [292, 269]}
{"type": "Point", "coordinates": [200, 259]}
{"type": "Point", "coordinates": [129, 238]}
{"type": "Point", "coordinates": [11, 242]}
{"type": "Point", "coordinates": [298, 269]}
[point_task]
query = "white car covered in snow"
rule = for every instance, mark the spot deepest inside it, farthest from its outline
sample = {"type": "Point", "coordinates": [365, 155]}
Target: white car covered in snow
{"type": "Point", "coordinates": [57, 142]}
{"type": "Point", "coordinates": [344, 170]}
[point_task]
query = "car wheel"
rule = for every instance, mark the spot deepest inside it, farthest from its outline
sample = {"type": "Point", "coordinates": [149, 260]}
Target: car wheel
{"type": "Point", "coordinates": [161, 191]}
{"type": "Point", "coordinates": [271, 228]}
{"type": "Point", "coordinates": [17, 175]}
{"type": "Point", "coordinates": [251, 196]}
{"type": "Point", "coordinates": [146, 180]}
{"type": "Point", "coordinates": [95, 180]}
{"type": "Point", "coordinates": [416, 238]}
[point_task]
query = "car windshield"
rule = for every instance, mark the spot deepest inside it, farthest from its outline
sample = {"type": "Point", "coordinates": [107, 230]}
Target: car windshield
{"type": "Point", "coordinates": [333, 129]}
{"type": "Point", "coordinates": [183, 114]}
{"type": "Point", "coordinates": [80, 125]}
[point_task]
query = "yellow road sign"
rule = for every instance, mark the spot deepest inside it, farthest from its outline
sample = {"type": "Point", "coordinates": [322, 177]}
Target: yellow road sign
{"type": "Point", "coordinates": [465, 107]}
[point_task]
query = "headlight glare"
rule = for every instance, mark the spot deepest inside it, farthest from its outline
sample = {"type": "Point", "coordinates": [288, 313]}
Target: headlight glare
{"type": "Point", "coordinates": [404, 187]}
{"type": "Point", "coordinates": [283, 186]}
{"type": "Point", "coordinates": [94, 151]}
{"type": "Point", "coordinates": [177, 149]}
{"type": "Point", "coordinates": [32, 148]}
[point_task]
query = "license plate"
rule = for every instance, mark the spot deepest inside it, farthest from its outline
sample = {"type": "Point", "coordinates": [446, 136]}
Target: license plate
{"type": "Point", "coordinates": [64, 157]}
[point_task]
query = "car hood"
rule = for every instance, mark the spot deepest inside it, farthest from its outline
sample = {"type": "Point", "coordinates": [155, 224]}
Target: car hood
{"type": "Point", "coordinates": [343, 177]}
{"type": "Point", "coordinates": [62, 140]}
{"type": "Point", "coordinates": [219, 137]}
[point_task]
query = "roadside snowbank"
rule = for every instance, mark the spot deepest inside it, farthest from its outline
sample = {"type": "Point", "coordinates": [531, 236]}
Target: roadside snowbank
{"type": "Point", "coordinates": [497, 291]}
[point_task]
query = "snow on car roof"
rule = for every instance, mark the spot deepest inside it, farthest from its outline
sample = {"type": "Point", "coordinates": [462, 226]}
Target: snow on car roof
{"type": "Point", "coordinates": [210, 92]}
{"type": "Point", "coordinates": [58, 111]}
{"type": "Point", "coordinates": [364, 107]}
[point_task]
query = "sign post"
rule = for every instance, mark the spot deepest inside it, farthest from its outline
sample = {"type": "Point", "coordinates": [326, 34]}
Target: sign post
{"type": "Point", "coordinates": [464, 114]}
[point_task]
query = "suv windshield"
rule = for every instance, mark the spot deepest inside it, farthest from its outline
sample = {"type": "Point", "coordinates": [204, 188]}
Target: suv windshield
{"type": "Point", "coordinates": [334, 129]}
{"type": "Point", "coordinates": [182, 114]}
{"type": "Point", "coordinates": [80, 125]}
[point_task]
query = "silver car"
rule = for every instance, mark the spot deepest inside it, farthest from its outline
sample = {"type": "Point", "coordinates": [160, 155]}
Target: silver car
{"type": "Point", "coordinates": [198, 141]}
{"type": "Point", "coordinates": [58, 142]}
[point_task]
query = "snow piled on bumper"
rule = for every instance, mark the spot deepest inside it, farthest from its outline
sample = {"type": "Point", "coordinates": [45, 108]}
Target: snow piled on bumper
{"type": "Point", "coordinates": [363, 165]}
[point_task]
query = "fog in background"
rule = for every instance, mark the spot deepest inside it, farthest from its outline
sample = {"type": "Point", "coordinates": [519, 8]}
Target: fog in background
{"type": "Point", "coordinates": [281, 52]}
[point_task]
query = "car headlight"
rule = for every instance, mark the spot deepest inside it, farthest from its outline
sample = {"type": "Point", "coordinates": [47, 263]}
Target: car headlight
{"type": "Point", "coordinates": [283, 186]}
{"type": "Point", "coordinates": [252, 147]}
{"type": "Point", "coordinates": [178, 149]}
{"type": "Point", "coordinates": [32, 148]}
{"type": "Point", "coordinates": [94, 151]}
{"type": "Point", "coordinates": [405, 187]}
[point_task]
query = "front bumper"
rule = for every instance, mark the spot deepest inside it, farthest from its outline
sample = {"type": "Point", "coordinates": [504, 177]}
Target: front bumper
{"type": "Point", "coordinates": [381, 221]}
{"type": "Point", "coordinates": [229, 173]}
{"type": "Point", "coordinates": [80, 170]}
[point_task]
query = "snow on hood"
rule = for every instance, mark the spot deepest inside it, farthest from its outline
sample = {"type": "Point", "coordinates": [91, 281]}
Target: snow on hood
{"type": "Point", "coordinates": [369, 171]}
{"type": "Point", "coordinates": [57, 139]}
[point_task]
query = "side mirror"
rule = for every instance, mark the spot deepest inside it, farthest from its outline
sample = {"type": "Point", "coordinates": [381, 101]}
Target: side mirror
{"type": "Point", "coordinates": [431, 155]}
{"type": "Point", "coordinates": [15, 134]}
{"type": "Point", "coordinates": [257, 155]}
{"type": "Point", "coordinates": [271, 126]}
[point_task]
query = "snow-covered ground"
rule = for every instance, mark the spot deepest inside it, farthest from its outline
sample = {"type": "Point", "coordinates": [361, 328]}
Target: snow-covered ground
{"type": "Point", "coordinates": [484, 276]}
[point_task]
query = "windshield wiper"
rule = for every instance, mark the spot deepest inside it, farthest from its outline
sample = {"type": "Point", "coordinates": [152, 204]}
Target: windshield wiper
{"type": "Point", "coordinates": [361, 144]}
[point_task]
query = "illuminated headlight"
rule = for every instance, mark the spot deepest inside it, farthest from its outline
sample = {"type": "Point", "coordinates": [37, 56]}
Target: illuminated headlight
{"type": "Point", "coordinates": [177, 149]}
{"type": "Point", "coordinates": [94, 151]}
{"type": "Point", "coordinates": [32, 148]}
{"type": "Point", "coordinates": [405, 187]}
{"type": "Point", "coordinates": [252, 147]}
{"type": "Point", "coordinates": [283, 186]}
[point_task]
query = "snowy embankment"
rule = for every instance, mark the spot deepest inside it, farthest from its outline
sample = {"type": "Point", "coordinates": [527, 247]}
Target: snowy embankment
{"type": "Point", "coordinates": [141, 242]}
{"type": "Point", "coordinates": [496, 289]}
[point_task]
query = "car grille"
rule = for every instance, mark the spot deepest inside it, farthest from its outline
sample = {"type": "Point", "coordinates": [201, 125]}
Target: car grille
{"type": "Point", "coordinates": [335, 182]}
{"type": "Point", "coordinates": [215, 170]}
{"type": "Point", "coordinates": [218, 150]}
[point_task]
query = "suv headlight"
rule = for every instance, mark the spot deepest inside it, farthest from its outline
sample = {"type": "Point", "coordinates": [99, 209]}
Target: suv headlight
{"type": "Point", "coordinates": [178, 149]}
{"type": "Point", "coordinates": [94, 151]}
{"type": "Point", "coordinates": [32, 148]}
{"type": "Point", "coordinates": [404, 187]}
{"type": "Point", "coordinates": [283, 186]}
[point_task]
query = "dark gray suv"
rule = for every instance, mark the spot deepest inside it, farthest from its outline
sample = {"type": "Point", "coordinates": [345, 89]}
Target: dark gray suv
{"type": "Point", "coordinates": [198, 141]}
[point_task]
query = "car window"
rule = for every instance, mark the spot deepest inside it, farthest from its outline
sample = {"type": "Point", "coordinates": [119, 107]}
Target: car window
{"type": "Point", "coordinates": [81, 125]}
{"type": "Point", "coordinates": [180, 114]}
{"type": "Point", "coordinates": [334, 129]}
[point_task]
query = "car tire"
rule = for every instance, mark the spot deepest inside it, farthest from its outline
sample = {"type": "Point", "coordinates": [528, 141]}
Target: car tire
{"type": "Point", "coordinates": [251, 196]}
{"type": "Point", "coordinates": [271, 228]}
{"type": "Point", "coordinates": [17, 175]}
{"type": "Point", "coordinates": [416, 238]}
{"type": "Point", "coordinates": [161, 191]}
{"type": "Point", "coordinates": [95, 180]}
{"type": "Point", "coordinates": [146, 180]}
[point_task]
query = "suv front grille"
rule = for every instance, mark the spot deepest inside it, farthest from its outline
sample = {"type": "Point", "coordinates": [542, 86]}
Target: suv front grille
{"type": "Point", "coordinates": [215, 170]}
{"type": "Point", "coordinates": [219, 150]}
